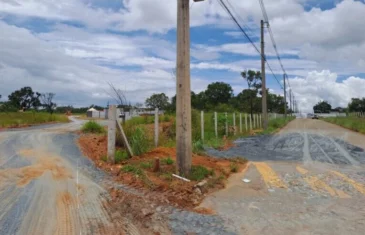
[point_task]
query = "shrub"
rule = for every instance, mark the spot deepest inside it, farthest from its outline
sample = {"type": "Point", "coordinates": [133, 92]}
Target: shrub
{"type": "Point", "coordinates": [139, 141]}
{"type": "Point", "coordinates": [121, 156]}
{"type": "Point", "coordinates": [234, 167]}
{"type": "Point", "coordinates": [198, 146]}
{"type": "Point", "coordinates": [200, 172]}
{"type": "Point", "coordinates": [167, 161]}
{"type": "Point", "coordinates": [92, 127]}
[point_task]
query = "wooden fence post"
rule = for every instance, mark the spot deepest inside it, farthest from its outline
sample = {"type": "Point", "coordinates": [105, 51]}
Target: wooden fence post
{"type": "Point", "coordinates": [111, 133]}
{"type": "Point", "coordinates": [216, 124]}
{"type": "Point", "coordinates": [246, 126]}
{"type": "Point", "coordinates": [254, 121]}
{"type": "Point", "coordinates": [202, 124]}
{"type": "Point", "coordinates": [156, 127]}
{"type": "Point", "coordinates": [226, 124]}
{"type": "Point", "coordinates": [240, 122]}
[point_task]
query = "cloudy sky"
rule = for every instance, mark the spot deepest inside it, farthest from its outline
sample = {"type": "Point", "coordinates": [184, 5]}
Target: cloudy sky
{"type": "Point", "coordinates": [75, 47]}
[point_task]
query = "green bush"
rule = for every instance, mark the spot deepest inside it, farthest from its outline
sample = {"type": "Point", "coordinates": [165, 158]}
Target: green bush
{"type": "Point", "coordinates": [92, 127]}
{"type": "Point", "coordinates": [167, 161]}
{"type": "Point", "coordinates": [200, 172]}
{"type": "Point", "coordinates": [139, 141]}
{"type": "Point", "coordinates": [121, 156]}
{"type": "Point", "coordinates": [198, 146]}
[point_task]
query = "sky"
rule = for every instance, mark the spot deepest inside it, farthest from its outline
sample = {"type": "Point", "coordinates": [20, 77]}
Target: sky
{"type": "Point", "coordinates": [74, 48]}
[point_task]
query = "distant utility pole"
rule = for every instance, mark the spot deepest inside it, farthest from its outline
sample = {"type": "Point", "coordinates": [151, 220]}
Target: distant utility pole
{"type": "Point", "coordinates": [183, 95]}
{"type": "Point", "coordinates": [263, 82]}
{"type": "Point", "coordinates": [290, 105]}
{"type": "Point", "coordinates": [284, 96]}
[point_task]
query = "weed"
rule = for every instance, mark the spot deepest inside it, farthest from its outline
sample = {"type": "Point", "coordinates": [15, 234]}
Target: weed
{"type": "Point", "coordinates": [198, 146]}
{"type": "Point", "coordinates": [167, 161]}
{"type": "Point", "coordinates": [132, 169]}
{"type": "Point", "coordinates": [121, 156]}
{"type": "Point", "coordinates": [200, 172]}
{"type": "Point", "coordinates": [146, 165]}
{"type": "Point", "coordinates": [353, 123]}
{"type": "Point", "coordinates": [15, 119]}
{"type": "Point", "coordinates": [234, 167]}
{"type": "Point", "coordinates": [166, 176]}
{"type": "Point", "coordinates": [104, 158]}
{"type": "Point", "coordinates": [92, 127]}
{"type": "Point", "coordinates": [139, 141]}
{"type": "Point", "coordinates": [214, 181]}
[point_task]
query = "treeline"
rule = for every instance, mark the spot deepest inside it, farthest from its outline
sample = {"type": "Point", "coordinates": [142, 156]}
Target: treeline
{"type": "Point", "coordinates": [356, 105]}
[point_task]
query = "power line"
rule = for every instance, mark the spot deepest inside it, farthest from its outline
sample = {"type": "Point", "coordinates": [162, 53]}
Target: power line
{"type": "Point", "coordinates": [249, 39]}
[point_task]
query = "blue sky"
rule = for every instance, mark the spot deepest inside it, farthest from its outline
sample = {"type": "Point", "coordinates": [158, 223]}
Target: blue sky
{"type": "Point", "coordinates": [75, 47]}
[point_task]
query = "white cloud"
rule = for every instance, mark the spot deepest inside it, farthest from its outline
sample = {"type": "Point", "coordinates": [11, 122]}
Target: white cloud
{"type": "Point", "coordinates": [324, 85]}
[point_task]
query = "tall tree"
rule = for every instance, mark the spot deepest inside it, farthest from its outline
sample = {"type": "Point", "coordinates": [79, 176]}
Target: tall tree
{"type": "Point", "coordinates": [218, 92]}
{"type": "Point", "coordinates": [47, 102]}
{"type": "Point", "coordinates": [160, 101]}
{"type": "Point", "coordinates": [322, 107]}
{"type": "Point", "coordinates": [254, 83]}
{"type": "Point", "coordinates": [25, 98]}
{"type": "Point", "coordinates": [357, 105]}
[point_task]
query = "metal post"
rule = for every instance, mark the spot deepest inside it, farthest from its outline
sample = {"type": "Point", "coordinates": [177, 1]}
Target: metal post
{"type": "Point", "coordinates": [202, 124]}
{"type": "Point", "coordinates": [263, 82]}
{"type": "Point", "coordinates": [216, 124]}
{"type": "Point", "coordinates": [183, 91]}
{"type": "Point", "coordinates": [156, 127]}
{"type": "Point", "coordinates": [111, 133]}
{"type": "Point", "coordinates": [284, 96]}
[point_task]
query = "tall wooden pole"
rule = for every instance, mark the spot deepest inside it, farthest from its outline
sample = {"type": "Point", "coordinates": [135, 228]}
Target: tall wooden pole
{"type": "Point", "coordinates": [263, 82]}
{"type": "Point", "coordinates": [183, 99]}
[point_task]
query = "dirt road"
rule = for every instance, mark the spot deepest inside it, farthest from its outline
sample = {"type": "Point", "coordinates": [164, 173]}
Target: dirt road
{"type": "Point", "coordinates": [307, 179]}
{"type": "Point", "coordinates": [47, 187]}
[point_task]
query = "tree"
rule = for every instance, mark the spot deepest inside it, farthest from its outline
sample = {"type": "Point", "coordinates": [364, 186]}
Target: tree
{"type": "Point", "coordinates": [253, 82]}
{"type": "Point", "coordinates": [47, 102]}
{"type": "Point", "coordinates": [218, 92]}
{"type": "Point", "coordinates": [160, 101]}
{"type": "Point", "coordinates": [25, 98]}
{"type": "Point", "coordinates": [322, 107]}
{"type": "Point", "coordinates": [118, 95]}
{"type": "Point", "coordinates": [357, 105]}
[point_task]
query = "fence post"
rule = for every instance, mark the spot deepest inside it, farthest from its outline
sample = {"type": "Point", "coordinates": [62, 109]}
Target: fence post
{"type": "Point", "coordinates": [216, 124]}
{"type": "Point", "coordinates": [240, 122]}
{"type": "Point", "coordinates": [111, 133]}
{"type": "Point", "coordinates": [260, 120]}
{"type": "Point", "coordinates": [250, 122]}
{"type": "Point", "coordinates": [246, 122]}
{"type": "Point", "coordinates": [156, 127]}
{"type": "Point", "coordinates": [202, 124]}
{"type": "Point", "coordinates": [254, 121]}
{"type": "Point", "coordinates": [226, 124]}
{"type": "Point", "coordinates": [234, 123]}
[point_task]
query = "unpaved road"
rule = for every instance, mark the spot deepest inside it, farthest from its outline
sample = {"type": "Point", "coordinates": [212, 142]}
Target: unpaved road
{"type": "Point", "coordinates": [307, 179]}
{"type": "Point", "coordinates": [47, 187]}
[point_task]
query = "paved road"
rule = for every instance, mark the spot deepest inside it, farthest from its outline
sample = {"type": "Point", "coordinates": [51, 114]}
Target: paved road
{"type": "Point", "coordinates": [47, 187]}
{"type": "Point", "coordinates": [307, 179]}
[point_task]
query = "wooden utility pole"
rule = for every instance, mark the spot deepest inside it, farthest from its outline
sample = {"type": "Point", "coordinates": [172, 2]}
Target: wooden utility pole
{"type": "Point", "coordinates": [290, 106]}
{"type": "Point", "coordinates": [183, 98]}
{"type": "Point", "coordinates": [284, 96]}
{"type": "Point", "coordinates": [263, 82]}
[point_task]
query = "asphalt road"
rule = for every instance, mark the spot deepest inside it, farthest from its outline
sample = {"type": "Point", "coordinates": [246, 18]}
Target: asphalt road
{"type": "Point", "coordinates": [307, 179]}
{"type": "Point", "coordinates": [48, 187]}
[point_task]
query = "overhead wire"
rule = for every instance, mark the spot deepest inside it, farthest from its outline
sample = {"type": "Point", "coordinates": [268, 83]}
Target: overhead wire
{"type": "Point", "coordinates": [249, 39]}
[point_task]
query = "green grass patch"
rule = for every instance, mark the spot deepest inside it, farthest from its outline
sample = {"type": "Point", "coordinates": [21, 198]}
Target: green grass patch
{"type": "Point", "coordinates": [353, 123]}
{"type": "Point", "coordinates": [200, 172]}
{"type": "Point", "coordinates": [121, 156]}
{"type": "Point", "coordinates": [146, 165]}
{"type": "Point", "coordinates": [167, 161]}
{"type": "Point", "coordinates": [92, 127]}
{"type": "Point", "coordinates": [139, 141]}
{"type": "Point", "coordinates": [133, 169]}
{"type": "Point", "coordinates": [104, 158]}
{"type": "Point", "coordinates": [198, 146]}
{"type": "Point", "coordinates": [234, 167]}
{"type": "Point", "coordinates": [13, 119]}
{"type": "Point", "coordinates": [276, 124]}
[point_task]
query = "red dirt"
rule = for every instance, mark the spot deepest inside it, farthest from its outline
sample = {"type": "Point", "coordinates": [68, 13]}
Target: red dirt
{"type": "Point", "coordinates": [161, 187]}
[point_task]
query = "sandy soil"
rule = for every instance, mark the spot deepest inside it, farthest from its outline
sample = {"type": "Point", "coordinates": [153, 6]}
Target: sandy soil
{"type": "Point", "coordinates": [307, 179]}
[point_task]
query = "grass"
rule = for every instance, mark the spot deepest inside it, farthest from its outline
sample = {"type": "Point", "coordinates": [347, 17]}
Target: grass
{"type": "Point", "coordinates": [121, 156]}
{"type": "Point", "coordinates": [8, 120]}
{"type": "Point", "coordinates": [353, 123]}
{"type": "Point", "coordinates": [276, 124]}
{"type": "Point", "coordinates": [92, 127]}
{"type": "Point", "coordinates": [234, 167]}
{"type": "Point", "coordinates": [132, 169]}
{"type": "Point", "coordinates": [146, 165]}
{"type": "Point", "coordinates": [200, 172]}
{"type": "Point", "coordinates": [167, 161]}
{"type": "Point", "coordinates": [139, 141]}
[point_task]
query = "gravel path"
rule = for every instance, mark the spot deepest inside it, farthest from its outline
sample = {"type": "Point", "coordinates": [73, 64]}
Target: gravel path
{"type": "Point", "coordinates": [307, 179]}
